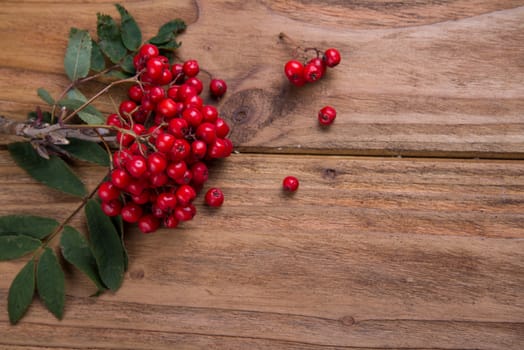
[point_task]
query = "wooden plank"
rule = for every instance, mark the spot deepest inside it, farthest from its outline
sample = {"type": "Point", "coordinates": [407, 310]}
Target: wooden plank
{"type": "Point", "coordinates": [369, 253]}
{"type": "Point", "coordinates": [424, 79]}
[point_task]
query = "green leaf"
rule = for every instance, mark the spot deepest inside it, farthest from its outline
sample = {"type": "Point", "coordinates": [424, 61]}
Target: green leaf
{"type": "Point", "coordinates": [119, 74]}
{"type": "Point", "coordinates": [14, 246]}
{"type": "Point", "coordinates": [98, 62]}
{"type": "Point", "coordinates": [50, 282]}
{"type": "Point", "coordinates": [110, 40]}
{"type": "Point", "coordinates": [27, 225]}
{"type": "Point", "coordinates": [106, 246]}
{"type": "Point", "coordinates": [131, 34]}
{"type": "Point", "coordinates": [53, 172]}
{"type": "Point", "coordinates": [77, 252]}
{"type": "Point", "coordinates": [170, 45]}
{"type": "Point", "coordinates": [21, 292]}
{"type": "Point", "coordinates": [119, 226]}
{"type": "Point", "coordinates": [128, 65]}
{"type": "Point", "coordinates": [46, 96]}
{"type": "Point", "coordinates": [78, 54]}
{"type": "Point", "coordinates": [88, 151]}
{"type": "Point", "coordinates": [89, 114]}
{"type": "Point", "coordinates": [168, 31]}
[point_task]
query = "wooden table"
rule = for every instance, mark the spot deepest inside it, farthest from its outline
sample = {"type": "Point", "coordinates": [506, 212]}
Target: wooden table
{"type": "Point", "coordinates": [407, 230]}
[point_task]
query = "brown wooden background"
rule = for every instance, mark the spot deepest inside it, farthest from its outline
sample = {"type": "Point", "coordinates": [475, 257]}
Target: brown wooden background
{"type": "Point", "coordinates": [407, 230]}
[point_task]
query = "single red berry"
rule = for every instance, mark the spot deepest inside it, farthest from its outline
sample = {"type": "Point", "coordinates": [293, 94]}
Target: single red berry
{"type": "Point", "coordinates": [114, 120]}
{"type": "Point", "coordinates": [184, 213]}
{"type": "Point", "coordinates": [290, 183]}
{"type": "Point", "coordinates": [156, 94]}
{"type": "Point", "coordinates": [158, 180]}
{"type": "Point", "coordinates": [185, 195]}
{"type": "Point", "coordinates": [120, 178]}
{"type": "Point", "coordinates": [164, 142]}
{"type": "Point", "coordinates": [126, 108]}
{"type": "Point", "coordinates": [154, 68]}
{"type": "Point", "coordinates": [148, 51]}
{"type": "Point", "coordinates": [136, 166]}
{"type": "Point", "coordinates": [196, 83]}
{"type": "Point", "coordinates": [112, 208]}
{"type": "Point", "coordinates": [166, 201]}
{"type": "Point", "coordinates": [165, 78]}
{"type": "Point", "coordinates": [178, 127]}
{"type": "Point", "coordinates": [200, 172]}
{"type": "Point", "coordinates": [331, 57]}
{"type": "Point", "coordinates": [327, 115]}
{"type": "Point", "coordinates": [172, 92]}
{"type": "Point", "coordinates": [185, 179]}
{"type": "Point", "coordinates": [206, 132]}
{"type": "Point", "coordinates": [177, 70]}
{"type": "Point", "coordinates": [294, 71]}
{"type": "Point", "coordinates": [156, 162]}
{"type": "Point", "coordinates": [185, 91]}
{"type": "Point", "coordinates": [312, 73]}
{"type": "Point", "coordinates": [198, 149]}
{"type": "Point", "coordinates": [108, 192]}
{"type": "Point", "coordinates": [148, 223]}
{"type": "Point", "coordinates": [124, 139]}
{"type": "Point", "coordinates": [217, 87]}
{"type": "Point", "coordinates": [171, 221]}
{"type": "Point", "coordinates": [181, 149]}
{"type": "Point", "coordinates": [131, 212]}
{"type": "Point", "coordinates": [176, 170]}
{"type": "Point", "coordinates": [191, 68]}
{"type": "Point", "coordinates": [120, 158]}
{"type": "Point", "coordinates": [141, 198]}
{"type": "Point", "coordinates": [222, 128]}
{"type": "Point", "coordinates": [193, 116]}
{"type": "Point", "coordinates": [319, 62]}
{"type": "Point", "coordinates": [218, 149]}
{"type": "Point", "coordinates": [214, 197]}
{"type": "Point", "coordinates": [136, 187]}
{"type": "Point", "coordinates": [135, 93]}
{"type": "Point", "coordinates": [167, 107]}
{"type": "Point", "coordinates": [210, 113]}
{"type": "Point", "coordinates": [194, 101]}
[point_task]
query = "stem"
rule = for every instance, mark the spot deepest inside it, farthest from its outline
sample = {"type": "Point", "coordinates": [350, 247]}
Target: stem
{"type": "Point", "coordinates": [98, 94]}
{"type": "Point", "coordinates": [78, 82]}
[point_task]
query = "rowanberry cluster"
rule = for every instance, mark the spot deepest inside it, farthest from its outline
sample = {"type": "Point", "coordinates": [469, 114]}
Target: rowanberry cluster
{"type": "Point", "coordinates": [299, 74]}
{"type": "Point", "coordinates": [166, 135]}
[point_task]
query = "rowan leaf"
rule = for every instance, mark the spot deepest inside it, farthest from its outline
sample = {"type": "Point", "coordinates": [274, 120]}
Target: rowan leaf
{"type": "Point", "coordinates": [21, 292]}
{"type": "Point", "coordinates": [50, 282]}
{"type": "Point", "coordinates": [110, 40]}
{"type": "Point", "coordinates": [46, 96]}
{"type": "Point", "coordinates": [131, 34]}
{"type": "Point", "coordinates": [119, 226]}
{"type": "Point", "coordinates": [167, 32]}
{"type": "Point", "coordinates": [53, 172]}
{"type": "Point", "coordinates": [106, 245]}
{"type": "Point", "coordinates": [16, 246]}
{"type": "Point", "coordinates": [87, 150]}
{"type": "Point", "coordinates": [77, 252]}
{"type": "Point", "coordinates": [98, 62]}
{"type": "Point", "coordinates": [27, 225]}
{"type": "Point", "coordinates": [77, 60]}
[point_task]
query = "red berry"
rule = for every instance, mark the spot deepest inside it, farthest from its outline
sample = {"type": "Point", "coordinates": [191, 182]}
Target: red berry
{"type": "Point", "coordinates": [294, 71]}
{"type": "Point", "coordinates": [193, 116]}
{"type": "Point", "coordinates": [331, 57]}
{"type": "Point", "coordinates": [312, 73]}
{"type": "Point", "coordinates": [290, 183]}
{"type": "Point", "coordinates": [135, 93]}
{"type": "Point", "coordinates": [198, 149]}
{"type": "Point", "coordinates": [200, 173]}
{"type": "Point", "coordinates": [158, 180]}
{"type": "Point", "coordinates": [171, 221]}
{"type": "Point", "coordinates": [184, 213]}
{"type": "Point", "coordinates": [148, 223]}
{"type": "Point", "coordinates": [185, 91]}
{"type": "Point", "coordinates": [135, 187]}
{"type": "Point", "coordinates": [219, 149]}
{"type": "Point", "coordinates": [176, 170]}
{"type": "Point", "coordinates": [210, 113]}
{"type": "Point", "coordinates": [114, 120]}
{"type": "Point", "coordinates": [131, 212]}
{"type": "Point", "coordinates": [178, 127]}
{"type": "Point", "coordinates": [167, 107]}
{"type": "Point", "coordinates": [120, 178]}
{"type": "Point", "coordinates": [156, 94]}
{"type": "Point", "coordinates": [222, 128]}
{"type": "Point", "coordinates": [327, 115]}
{"type": "Point", "coordinates": [166, 201]}
{"type": "Point", "coordinates": [136, 166]}
{"type": "Point", "coordinates": [156, 163]}
{"type": "Point", "coordinates": [214, 197]}
{"type": "Point", "coordinates": [181, 149]}
{"type": "Point", "coordinates": [126, 108]}
{"type": "Point", "coordinates": [191, 68]}
{"type": "Point", "coordinates": [165, 78]}
{"type": "Point", "coordinates": [141, 198]}
{"type": "Point", "coordinates": [196, 83]}
{"type": "Point", "coordinates": [120, 158]}
{"type": "Point", "coordinates": [206, 132]}
{"type": "Point", "coordinates": [164, 142]}
{"type": "Point", "coordinates": [318, 62]}
{"type": "Point", "coordinates": [108, 192]}
{"type": "Point", "coordinates": [185, 195]}
{"type": "Point", "coordinates": [148, 50]}
{"type": "Point", "coordinates": [112, 208]}
{"type": "Point", "coordinates": [154, 68]}
{"type": "Point", "coordinates": [217, 87]}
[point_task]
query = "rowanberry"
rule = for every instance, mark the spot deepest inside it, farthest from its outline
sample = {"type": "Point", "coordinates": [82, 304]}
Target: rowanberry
{"type": "Point", "coordinates": [176, 170]}
{"type": "Point", "coordinates": [108, 192]}
{"type": "Point", "coordinates": [222, 128]}
{"type": "Point", "coordinates": [196, 83]}
{"type": "Point", "coordinates": [131, 212]}
{"type": "Point", "coordinates": [177, 70]}
{"type": "Point", "coordinates": [148, 51]}
{"type": "Point", "coordinates": [217, 87]}
{"type": "Point", "coordinates": [164, 142]}
{"type": "Point", "coordinates": [136, 166]}
{"type": "Point", "coordinates": [148, 223]}
{"type": "Point", "coordinates": [185, 91]}
{"type": "Point", "coordinates": [206, 132]}
{"type": "Point", "coordinates": [166, 201]}
{"type": "Point", "coordinates": [200, 172]}
{"type": "Point", "coordinates": [114, 120]}
{"type": "Point", "coordinates": [327, 115]}
{"type": "Point", "coordinates": [135, 93]}
{"type": "Point", "coordinates": [158, 180]}
{"type": "Point", "coordinates": [154, 68]}
{"type": "Point", "coordinates": [210, 113]}
{"type": "Point", "coordinates": [126, 108]}
{"type": "Point", "coordinates": [193, 116]}
{"type": "Point", "coordinates": [331, 57]}
{"type": "Point", "coordinates": [180, 150]}
{"type": "Point", "coordinates": [167, 107]}
{"type": "Point", "coordinates": [191, 68]}
{"type": "Point", "coordinates": [141, 198]}
{"type": "Point", "coordinates": [214, 197]}
{"type": "Point", "coordinates": [112, 207]}
{"type": "Point", "coordinates": [312, 73]}
{"type": "Point", "coordinates": [178, 127]}
{"type": "Point", "coordinates": [156, 162]}
{"type": "Point", "coordinates": [198, 149]}
{"type": "Point", "coordinates": [171, 221]}
{"type": "Point", "coordinates": [120, 178]}
{"type": "Point", "coordinates": [290, 183]}
{"type": "Point", "coordinates": [294, 71]}
{"type": "Point", "coordinates": [185, 194]}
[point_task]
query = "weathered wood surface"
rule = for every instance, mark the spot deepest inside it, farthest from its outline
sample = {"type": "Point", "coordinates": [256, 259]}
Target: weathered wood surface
{"type": "Point", "coordinates": [417, 78]}
{"type": "Point", "coordinates": [371, 252]}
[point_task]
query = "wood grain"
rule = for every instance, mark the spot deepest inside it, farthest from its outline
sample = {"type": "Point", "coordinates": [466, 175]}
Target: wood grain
{"type": "Point", "coordinates": [369, 253]}
{"type": "Point", "coordinates": [418, 78]}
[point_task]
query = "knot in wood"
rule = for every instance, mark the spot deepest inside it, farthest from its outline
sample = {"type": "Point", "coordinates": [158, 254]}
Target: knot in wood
{"type": "Point", "coordinates": [329, 173]}
{"type": "Point", "coordinates": [240, 115]}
